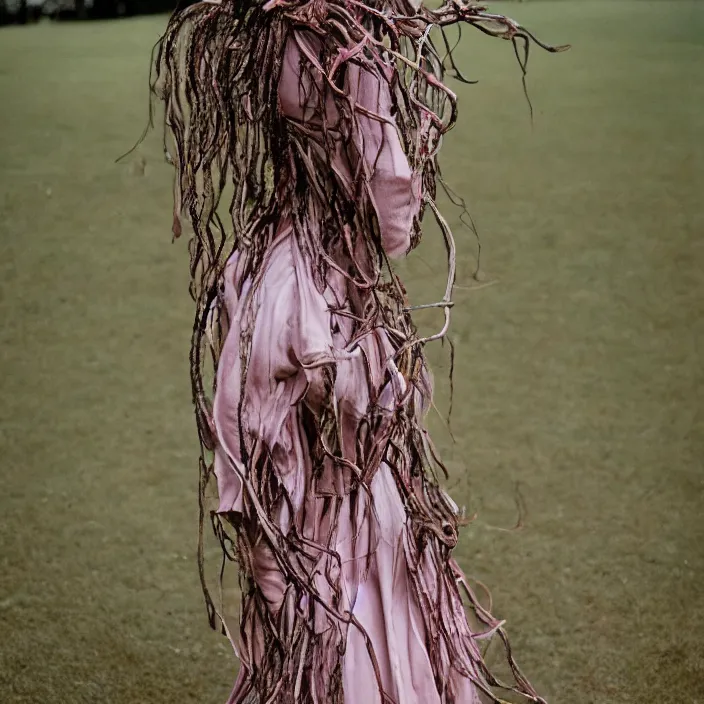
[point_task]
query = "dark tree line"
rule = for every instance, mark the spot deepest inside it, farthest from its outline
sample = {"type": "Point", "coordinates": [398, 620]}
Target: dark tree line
{"type": "Point", "coordinates": [24, 12]}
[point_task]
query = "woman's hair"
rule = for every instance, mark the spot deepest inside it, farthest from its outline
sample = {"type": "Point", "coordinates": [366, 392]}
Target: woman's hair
{"type": "Point", "coordinates": [217, 69]}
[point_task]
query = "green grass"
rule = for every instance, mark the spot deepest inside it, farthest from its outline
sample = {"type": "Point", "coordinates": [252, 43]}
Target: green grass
{"type": "Point", "coordinates": [578, 372]}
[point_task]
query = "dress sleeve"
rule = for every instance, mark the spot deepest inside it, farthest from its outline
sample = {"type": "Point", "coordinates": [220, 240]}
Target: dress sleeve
{"type": "Point", "coordinates": [395, 189]}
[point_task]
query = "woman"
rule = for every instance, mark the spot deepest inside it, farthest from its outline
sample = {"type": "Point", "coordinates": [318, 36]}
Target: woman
{"type": "Point", "coordinates": [322, 121]}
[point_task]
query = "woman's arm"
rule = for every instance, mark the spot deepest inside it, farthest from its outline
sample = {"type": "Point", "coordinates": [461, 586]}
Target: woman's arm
{"type": "Point", "coordinates": [395, 191]}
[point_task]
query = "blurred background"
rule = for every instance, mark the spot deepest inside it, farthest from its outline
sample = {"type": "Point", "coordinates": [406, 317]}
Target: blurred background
{"type": "Point", "coordinates": [31, 11]}
{"type": "Point", "coordinates": [577, 428]}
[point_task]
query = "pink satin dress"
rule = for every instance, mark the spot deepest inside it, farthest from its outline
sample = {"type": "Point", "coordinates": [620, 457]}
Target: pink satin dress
{"type": "Point", "coordinates": [297, 334]}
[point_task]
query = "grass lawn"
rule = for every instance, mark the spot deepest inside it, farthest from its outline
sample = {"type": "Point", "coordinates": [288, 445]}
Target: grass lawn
{"type": "Point", "coordinates": [578, 379]}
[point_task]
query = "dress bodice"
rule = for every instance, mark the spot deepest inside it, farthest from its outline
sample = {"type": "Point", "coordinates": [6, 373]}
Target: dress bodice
{"type": "Point", "coordinates": [395, 190]}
